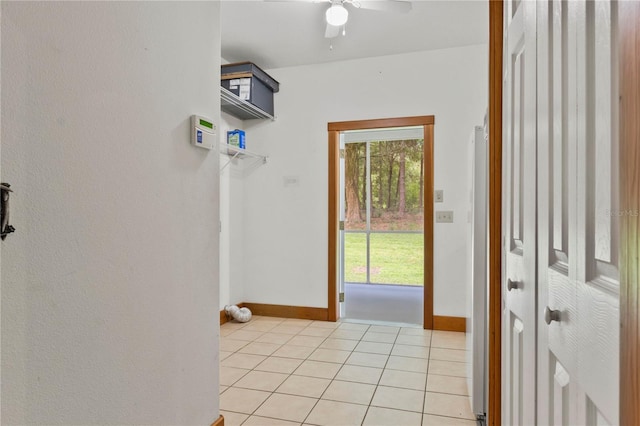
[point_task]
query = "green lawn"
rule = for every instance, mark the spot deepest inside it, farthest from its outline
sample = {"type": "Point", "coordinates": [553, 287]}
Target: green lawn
{"type": "Point", "coordinates": [395, 258]}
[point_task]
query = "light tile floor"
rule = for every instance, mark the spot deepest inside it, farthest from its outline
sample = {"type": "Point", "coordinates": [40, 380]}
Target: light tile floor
{"type": "Point", "coordinates": [276, 371]}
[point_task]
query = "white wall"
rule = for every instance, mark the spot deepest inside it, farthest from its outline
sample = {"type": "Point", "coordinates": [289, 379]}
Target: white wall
{"type": "Point", "coordinates": [231, 219]}
{"type": "Point", "coordinates": [285, 228]}
{"type": "Point", "coordinates": [110, 283]}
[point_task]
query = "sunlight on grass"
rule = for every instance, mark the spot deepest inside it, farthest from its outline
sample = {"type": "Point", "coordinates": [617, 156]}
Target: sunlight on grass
{"type": "Point", "coordinates": [395, 258]}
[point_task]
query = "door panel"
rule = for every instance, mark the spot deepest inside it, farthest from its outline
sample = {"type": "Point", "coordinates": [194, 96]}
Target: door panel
{"type": "Point", "coordinates": [554, 30]}
{"type": "Point", "coordinates": [595, 417]}
{"type": "Point", "coordinates": [597, 233]}
{"type": "Point", "coordinates": [558, 341]}
{"type": "Point", "coordinates": [516, 362]}
{"type": "Point", "coordinates": [561, 405]}
{"type": "Point", "coordinates": [577, 232]}
{"type": "Point", "coordinates": [519, 147]}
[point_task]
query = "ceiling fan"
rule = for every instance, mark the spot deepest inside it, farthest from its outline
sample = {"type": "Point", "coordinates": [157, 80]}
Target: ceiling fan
{"type": "Point", "coordinates": [337, 14]}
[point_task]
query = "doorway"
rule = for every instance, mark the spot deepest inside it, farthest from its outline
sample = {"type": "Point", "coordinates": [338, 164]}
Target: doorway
{"type": "Point", "coordinates": [365, 232]}
{"type": "Point", "coordinates": [381, 250]}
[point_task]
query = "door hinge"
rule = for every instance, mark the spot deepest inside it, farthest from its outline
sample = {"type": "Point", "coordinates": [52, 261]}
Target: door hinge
{"type": "Point", "coordinates": [341, 297]}
{"type": "Point", "coordinates": [341, 225]}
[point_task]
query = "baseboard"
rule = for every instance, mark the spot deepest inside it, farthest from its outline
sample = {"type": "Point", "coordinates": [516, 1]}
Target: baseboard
{"type": "Point", "coordinates": [219, 422]}
{"type": "Point", "coordinates": [449, 323]}
{"type": "Point", "coordinates": [285, 311]}
{"type": "Point", "coordinates": [321, 314]}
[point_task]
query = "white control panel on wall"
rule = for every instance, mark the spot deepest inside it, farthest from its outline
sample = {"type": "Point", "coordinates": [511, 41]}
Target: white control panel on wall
{"type": "Point", "coordinates": [438, 196]}
{"type": "Point", "coordinates": [203, 132]}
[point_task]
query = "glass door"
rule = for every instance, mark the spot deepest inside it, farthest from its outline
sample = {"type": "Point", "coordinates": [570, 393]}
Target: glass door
{"type": "Point", "coordinates": [381, 209]}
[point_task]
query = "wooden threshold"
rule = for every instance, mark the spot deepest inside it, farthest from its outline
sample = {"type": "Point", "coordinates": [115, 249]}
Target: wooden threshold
{"type": "Point", "coordinates": [219, 422]}
{"type": "Point", "coordinates": [443, 323]}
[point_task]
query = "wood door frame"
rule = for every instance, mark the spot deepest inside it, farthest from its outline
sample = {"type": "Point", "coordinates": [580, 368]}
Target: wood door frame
{"type": "Point", "coordinates": [494, 375]}
{"type": "Point", "coordinates": [334, 130]}
{"type": "Point", "coordinates": [629, 67]}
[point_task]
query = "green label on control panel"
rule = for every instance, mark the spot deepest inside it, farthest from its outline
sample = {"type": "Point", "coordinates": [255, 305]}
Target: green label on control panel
{"type": "Point", "coordinates": [206, 124]}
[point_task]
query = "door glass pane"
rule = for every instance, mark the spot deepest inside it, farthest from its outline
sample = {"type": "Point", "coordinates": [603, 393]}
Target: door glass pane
{"type": "Point", "coordinates": [355, 257]}
{"type": "Point", "coordinates": [355, 186]}
{"type": "Point", "coordinates": [397, 180]}
{"type": "Point", "coordinates": [397, 258]}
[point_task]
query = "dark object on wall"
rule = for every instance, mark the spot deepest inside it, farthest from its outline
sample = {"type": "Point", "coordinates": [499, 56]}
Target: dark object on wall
{"type": "Point", "coordinates": [5, 228]}
{"type": "Point", "coordinates": [250, 83]}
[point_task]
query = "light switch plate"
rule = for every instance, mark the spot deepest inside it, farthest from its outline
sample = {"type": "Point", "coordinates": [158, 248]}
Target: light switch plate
{"type": "Point", "coordinates": [438, 196]}
{"type": "Point", "coordinates": [444, 216]}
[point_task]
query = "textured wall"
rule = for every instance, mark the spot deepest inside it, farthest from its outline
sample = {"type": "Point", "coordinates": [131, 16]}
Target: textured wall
{"type": "Point", "coordinates": [285, 227]}
{"type": "Point", "coordinates": [110, 284]}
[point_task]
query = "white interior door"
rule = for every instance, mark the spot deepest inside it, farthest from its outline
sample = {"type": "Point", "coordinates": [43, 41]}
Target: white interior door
{"type": "Point", "coordinates": [519, 214]}
{"type": "Point", "coordinates": [578, 306]}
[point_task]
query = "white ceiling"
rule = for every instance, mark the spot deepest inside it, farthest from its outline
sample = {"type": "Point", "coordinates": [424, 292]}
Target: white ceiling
{"type": "Point", "coordinates": [276, 34]}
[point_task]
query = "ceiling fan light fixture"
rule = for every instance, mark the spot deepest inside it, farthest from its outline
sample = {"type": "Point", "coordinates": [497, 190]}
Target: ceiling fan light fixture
{"type": "Point", "coordinates": [337, 15]}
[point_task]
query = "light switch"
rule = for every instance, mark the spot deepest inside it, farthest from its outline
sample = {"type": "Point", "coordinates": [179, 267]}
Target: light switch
{"type": "Point", "coordinates": [438, 196]}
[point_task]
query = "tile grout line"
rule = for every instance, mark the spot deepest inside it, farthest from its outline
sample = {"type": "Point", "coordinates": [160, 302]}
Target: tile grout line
{"type": "Point", "coordinates": [292, 373]}
{"type": "Point", "coordinates": [331, 381]}
{"type": "Point", "coordinates": [426, 382]}
{"type": "Point", "coordinates": [253, 369]}
{"type": "Point", "coordinates": [341, 364]}
{"type": "Point", "coordinates": [288, 376]}
{"type": "Point", "coordinates": [380, 378]}
{"type": "Point", "coordinates": [334, 377]}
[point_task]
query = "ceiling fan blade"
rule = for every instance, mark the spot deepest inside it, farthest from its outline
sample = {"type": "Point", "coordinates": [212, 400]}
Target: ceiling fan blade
{"type": "Point", "coordinates": [399, 6]}
{"type": "Point", "coordinates": [332, 31]}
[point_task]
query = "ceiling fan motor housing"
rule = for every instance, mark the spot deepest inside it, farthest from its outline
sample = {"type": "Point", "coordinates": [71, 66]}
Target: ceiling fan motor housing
{"type": "Point", "coordinates": [337, 15]}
